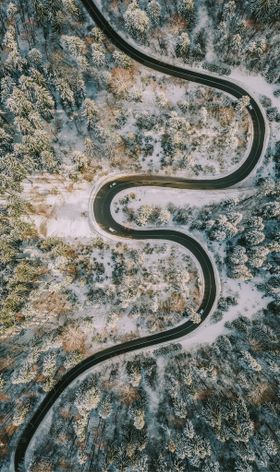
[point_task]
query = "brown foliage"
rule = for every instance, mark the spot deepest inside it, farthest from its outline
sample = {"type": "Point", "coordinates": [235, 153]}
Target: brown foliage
{"type": "Point", "coordinates": [115, 5]}
{"type": "Point", "coordinates": [54, 303]}
{"type": "Point", "coordinates": [4, 397]}
{"type": "Point", "coordinates": [42, 466]}
{"type": "Point", "coordinates": [177, 24]}
{"type": "Point", "coordinates": [226, 115]}
{"type": "Point", "coordinates": [178, 302]}
{"type": "Point", "coordinates": [42, 209]}
{"type": "Point", "coordinates": [73, 340]}
{"type": "Point", "coordinates": [119, 158]}
{"type": "Point", "coordinates": [263, 393]}
{"type": "Point", "coordinates": [204, 394]}
{"type": "Point", "coordinates": [6, 362]}
{"type": "Point", "coordinates": [175, 303]}
{"type": "Point", "coordinates": [43, 228]}
{"type": "Point", "coordinates": [128, 394]}
{"type": "Point", "coordinates": [121, 81]}
{"type": "Point", "coordinates": [10, 429]}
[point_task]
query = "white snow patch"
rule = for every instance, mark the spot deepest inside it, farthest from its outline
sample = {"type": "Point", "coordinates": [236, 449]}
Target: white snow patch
{"type": "Point", "coordinates": [176, 93]}
{"type": "Point", "coordinates": [205, 22]}
{"type": "Point", "coordinates": [66, 213]}
{"type": "Point", "coordinates": [257, 84]}
{"type": "Point", "coordinates": [249, 301]}
{"type": "Point", "coordinates": [127, 325]}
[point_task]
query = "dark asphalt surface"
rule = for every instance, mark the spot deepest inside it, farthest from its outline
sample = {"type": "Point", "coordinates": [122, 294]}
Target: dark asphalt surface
{"type": "Point", "coordinates": [104, 218]}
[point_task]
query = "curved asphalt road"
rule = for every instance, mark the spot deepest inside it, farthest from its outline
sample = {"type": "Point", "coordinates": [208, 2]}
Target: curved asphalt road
{"type": "Point", "coordinates": [103, 217]}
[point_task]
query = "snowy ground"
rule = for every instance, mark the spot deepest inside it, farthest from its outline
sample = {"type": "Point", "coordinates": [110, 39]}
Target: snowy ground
{"type": "Point", "coordinates": [249, 301]}
{"type": "Point", "coordinates": [256, 84]}
{"type": "Point", "coordinates": [162, 197]}
{"type": "Point", "coordinates": [60, 207]}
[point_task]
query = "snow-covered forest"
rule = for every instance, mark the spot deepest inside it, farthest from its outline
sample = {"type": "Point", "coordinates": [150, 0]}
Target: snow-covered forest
{"type": "Point", "coordinates": [174, 410]}
{"type": "Point", "coordinates": [74, 109]}
{"type": "Point", "coordinates": [219, 36]}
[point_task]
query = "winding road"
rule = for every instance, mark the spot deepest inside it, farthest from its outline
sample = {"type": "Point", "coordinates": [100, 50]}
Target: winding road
{"type": "Point", "coordinates": [102, 215]}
